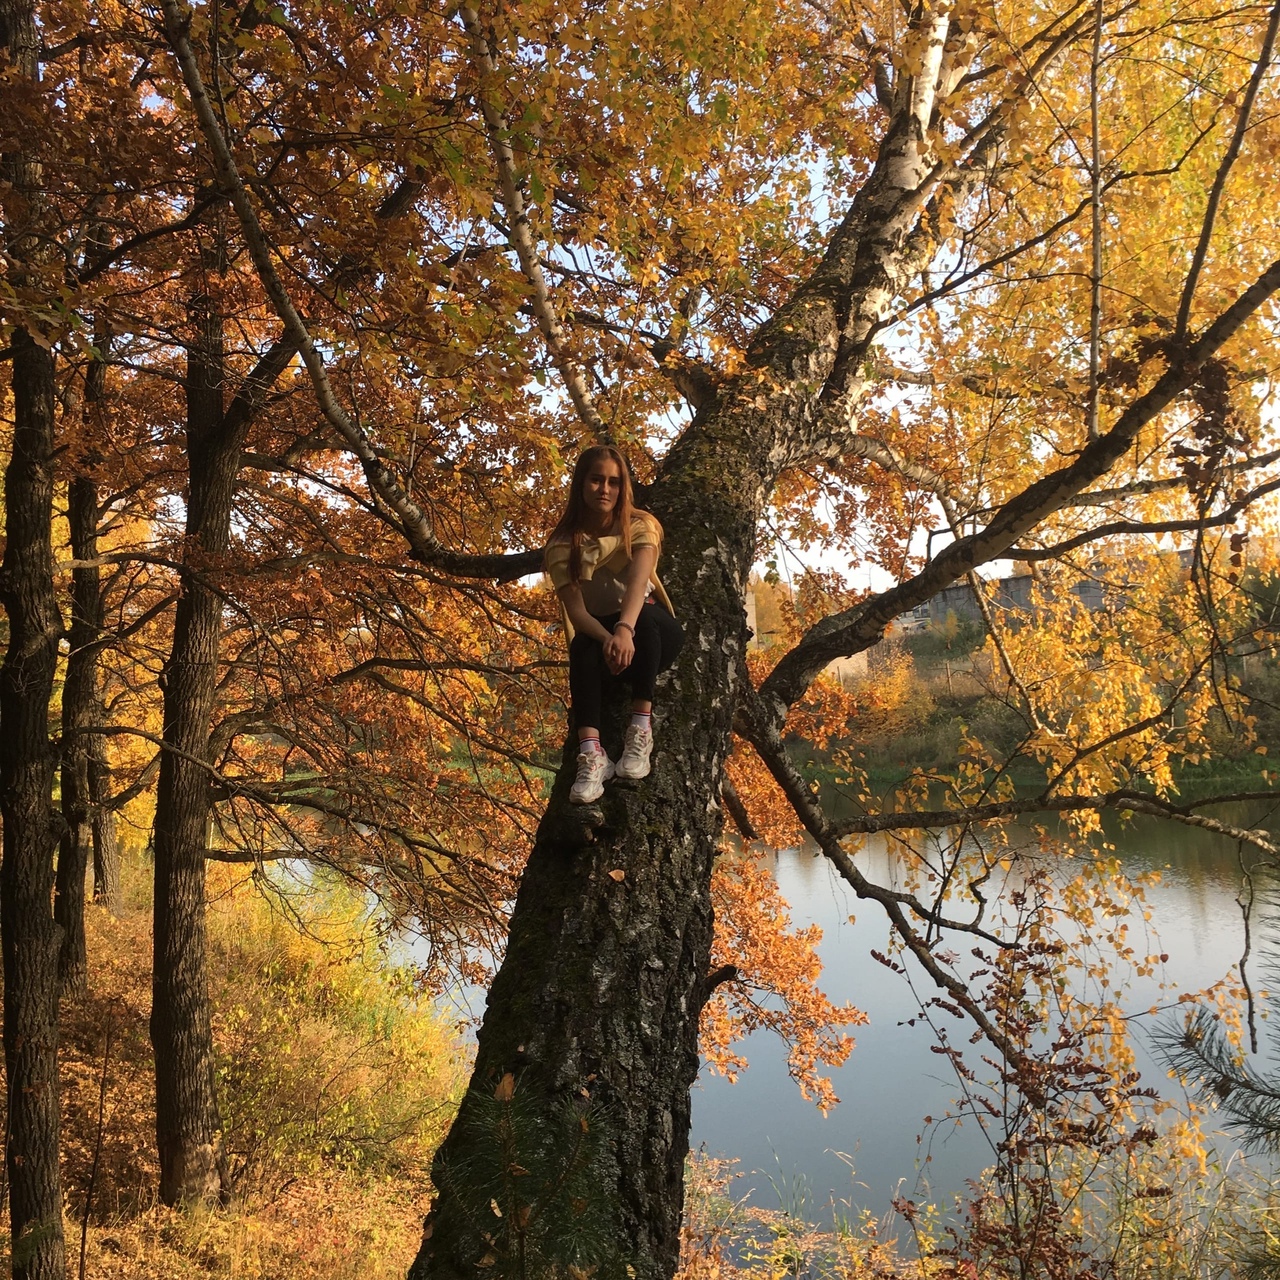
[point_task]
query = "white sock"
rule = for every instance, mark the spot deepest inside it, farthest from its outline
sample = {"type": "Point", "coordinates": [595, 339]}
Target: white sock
{"type": "Point", "coordinates": [642, 719]}
{"type": "Point", "coordinates": [590, 744]}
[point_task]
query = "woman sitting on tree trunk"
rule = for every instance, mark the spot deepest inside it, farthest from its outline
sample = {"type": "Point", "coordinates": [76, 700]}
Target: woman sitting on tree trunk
{"type": "Point", "coordinates": [601, 559]}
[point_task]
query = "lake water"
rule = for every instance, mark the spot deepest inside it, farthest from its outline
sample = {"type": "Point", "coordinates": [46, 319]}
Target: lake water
{"type": "Point", "coordinates": [874, 1145]}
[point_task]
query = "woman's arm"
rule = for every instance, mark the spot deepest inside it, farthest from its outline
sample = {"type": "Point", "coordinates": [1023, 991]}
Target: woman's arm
{"type": "Point", "coordinates": [637, 576]}
{"type": "Point", "coordinates": [583, 622]}
{"type": "Point", "coordinates": [620, 648]}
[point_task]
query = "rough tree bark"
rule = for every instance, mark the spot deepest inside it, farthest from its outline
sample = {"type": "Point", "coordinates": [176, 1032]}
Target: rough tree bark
{"type": "Point", "coordinates": [187, 1123]}
{"type": "Point", "coordinates": [604, 977]}
{"type": "Point", "coordinates": [188, 1127]}
{"type": "Point", "coordinates": [31, 937]}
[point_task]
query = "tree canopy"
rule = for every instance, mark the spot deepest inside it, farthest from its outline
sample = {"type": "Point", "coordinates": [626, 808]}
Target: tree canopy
{"type": "Point", "coordinates": [321, 301]}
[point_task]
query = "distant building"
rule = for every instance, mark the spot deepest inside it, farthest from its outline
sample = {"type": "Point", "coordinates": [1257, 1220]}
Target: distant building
{"type": "Point", "coordinates": [1016, 592]}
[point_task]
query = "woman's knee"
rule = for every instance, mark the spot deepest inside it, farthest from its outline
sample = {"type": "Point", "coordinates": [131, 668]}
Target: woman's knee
{"type": "Point", "coordinates": [670, 638]}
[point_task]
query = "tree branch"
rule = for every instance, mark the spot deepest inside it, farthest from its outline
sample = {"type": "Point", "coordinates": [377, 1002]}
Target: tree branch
{"type": "Point", "coordinates": [856, 629]}
{"type": "Point", "coordinates": [1229, 515]}
{"type": "Point", "coordinates": [413, 521]}
{"type": "Point", "coordinates": [1136, 801]}
{"type": "Point", "coordinates": [753, 724]}
{"type": "Point", "coordinates": [521, 235]}
{"type": "Point", "coordinates": [738, 810]}
{"type": "Point", "coordinates": [1220, 178]}
{"type": "Point", "coordinates": [203, 202]}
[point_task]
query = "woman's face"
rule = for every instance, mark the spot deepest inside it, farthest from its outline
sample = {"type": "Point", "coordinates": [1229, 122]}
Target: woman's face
{"type": "Point", "coordinates": [601, 489]}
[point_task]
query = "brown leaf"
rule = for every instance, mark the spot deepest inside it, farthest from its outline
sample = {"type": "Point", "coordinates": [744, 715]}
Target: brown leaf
{"type": "Point", "coordinates": [506, 1088]}
{"type": "Point", "coordinates": [619, 876]}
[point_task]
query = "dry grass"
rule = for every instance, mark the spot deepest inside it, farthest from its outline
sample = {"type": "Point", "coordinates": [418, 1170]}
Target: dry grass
{"type": "Point", "coordinates": [339, 1228]}
{"type": "Point", "coordinates": [314, 1199]}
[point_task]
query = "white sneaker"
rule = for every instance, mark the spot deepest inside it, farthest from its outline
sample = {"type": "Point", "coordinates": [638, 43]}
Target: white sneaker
{"type": "Point", "coordinates": [637, 747]}
{"type": "Point", "coordinates": [594, 770]}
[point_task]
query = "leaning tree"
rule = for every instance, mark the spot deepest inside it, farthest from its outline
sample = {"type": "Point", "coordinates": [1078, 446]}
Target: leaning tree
{"type": "Point", "coordinates": [828, 274]}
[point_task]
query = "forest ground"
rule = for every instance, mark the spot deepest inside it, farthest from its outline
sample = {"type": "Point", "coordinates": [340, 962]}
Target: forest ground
{"type": "Point", "coordinates": [335, 1087]}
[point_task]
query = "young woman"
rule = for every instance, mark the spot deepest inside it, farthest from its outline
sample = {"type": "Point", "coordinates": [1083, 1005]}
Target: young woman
{"type": "Point", "coordinates": [601, 559]}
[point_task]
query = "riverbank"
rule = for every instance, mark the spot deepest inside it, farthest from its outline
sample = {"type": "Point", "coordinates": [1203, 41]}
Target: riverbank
{"type": "Point", "coordinates": [930, 694]}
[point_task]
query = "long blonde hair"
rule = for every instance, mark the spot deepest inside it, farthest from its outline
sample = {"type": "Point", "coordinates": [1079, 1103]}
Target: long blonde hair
{"type": "Point", "coordinates": [571, 526]}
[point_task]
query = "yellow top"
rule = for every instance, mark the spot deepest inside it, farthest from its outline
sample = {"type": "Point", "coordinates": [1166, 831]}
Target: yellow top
{"type": "Point", "coordinates": [604, 566]}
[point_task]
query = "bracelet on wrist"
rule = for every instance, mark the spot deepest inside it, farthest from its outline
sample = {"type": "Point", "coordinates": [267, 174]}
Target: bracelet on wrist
{"type": "Point", "coordinates": [628, 626]}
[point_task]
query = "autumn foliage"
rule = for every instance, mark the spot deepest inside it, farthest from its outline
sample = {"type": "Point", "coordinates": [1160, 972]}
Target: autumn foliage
{"type": "Point", "coordinates": [306, 311]}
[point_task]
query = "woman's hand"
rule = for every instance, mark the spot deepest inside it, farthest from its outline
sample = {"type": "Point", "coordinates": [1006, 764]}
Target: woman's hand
{"type": "Point", "coordinates": [620, 648]}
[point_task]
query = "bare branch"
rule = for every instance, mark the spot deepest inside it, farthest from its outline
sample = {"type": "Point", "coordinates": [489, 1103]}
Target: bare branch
{"type": "Point", "coordinates": [1122, 800]}
{"type": "Point", "coordinates": [1165, 484]}
{"type": "Point", "coordinates": [753, 724]}
{"type": "Point", "coordinates": [1229, 515]}
{"type": "Point", "coordinates": [885, 455]}
{"type": "Point", "coordinates": [1224, 169]}
{"type": "Point", "coordinates": [738, 810]}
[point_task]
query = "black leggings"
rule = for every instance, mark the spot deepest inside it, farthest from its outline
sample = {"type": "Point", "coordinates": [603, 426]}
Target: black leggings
{"type": "Point", "coordinates": [658, 641]}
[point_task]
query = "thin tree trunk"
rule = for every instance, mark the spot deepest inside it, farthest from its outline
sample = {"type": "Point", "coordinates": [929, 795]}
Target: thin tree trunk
{"type": "Point", "coordinates": [106, 847]}
{"type": "Point", "coordinates": [31, 937]}
{"type": "Point", "coordinates": [79, 710]}
{"type": "Point", "coordinates": [192, 1166]}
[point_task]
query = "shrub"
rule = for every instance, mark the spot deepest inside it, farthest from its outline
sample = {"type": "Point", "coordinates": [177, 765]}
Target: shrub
{"type": "Point", "coordinates": [325, 1055]}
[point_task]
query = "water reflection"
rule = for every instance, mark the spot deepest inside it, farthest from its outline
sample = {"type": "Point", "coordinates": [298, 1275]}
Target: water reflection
{"type": "Point", "coordinates": [894, 1080]}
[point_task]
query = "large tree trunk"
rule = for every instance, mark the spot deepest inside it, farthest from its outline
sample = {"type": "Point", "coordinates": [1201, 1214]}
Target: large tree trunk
{"type": "Point", "coordinates": [187, 1122]}
{"type": "Point", "coordinates": [31, 937]}
{"type": "Point", "coordinates": [604, 979]}
{"type": "Point", "coordinates": [605, 975]}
